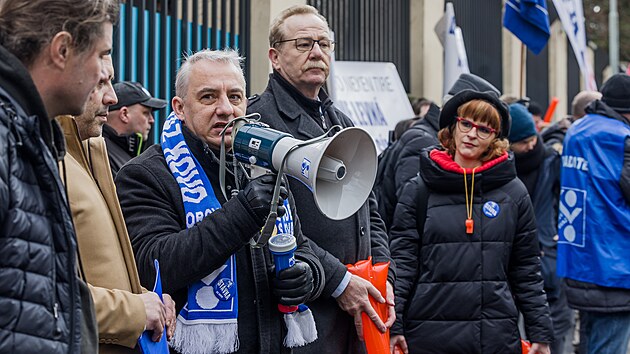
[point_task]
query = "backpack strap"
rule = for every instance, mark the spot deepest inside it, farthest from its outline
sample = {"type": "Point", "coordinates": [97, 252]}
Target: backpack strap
{"type": "Point", "coordinates": [421, 205]}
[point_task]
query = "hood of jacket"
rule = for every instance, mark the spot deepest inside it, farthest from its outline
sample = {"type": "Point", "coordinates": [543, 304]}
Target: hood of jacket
{"type": "Point", "coordinates": [17, 81]}
{"type": "Point", "coordinates": [557, 130]}
{"type": "Point", "coordinates": [599, 107]}
{"type": "Point", "coordinates": [443, 175]}
{"type": "Point", "coordinates": [431, 119]}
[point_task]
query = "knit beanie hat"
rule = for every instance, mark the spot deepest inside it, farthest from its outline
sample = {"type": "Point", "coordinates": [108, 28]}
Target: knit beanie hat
{"type": "Point", "coordinates": [522, 123]}
{"type": "Point", "coordinates": [616, 93]}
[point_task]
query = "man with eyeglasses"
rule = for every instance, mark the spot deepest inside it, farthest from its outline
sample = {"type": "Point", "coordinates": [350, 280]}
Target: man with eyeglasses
{"type": "Point", "coordinates": [294, 102]}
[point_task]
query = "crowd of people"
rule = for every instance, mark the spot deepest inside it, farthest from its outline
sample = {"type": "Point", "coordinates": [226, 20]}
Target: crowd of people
{"type": "Point", "coordinates": [495, 231]}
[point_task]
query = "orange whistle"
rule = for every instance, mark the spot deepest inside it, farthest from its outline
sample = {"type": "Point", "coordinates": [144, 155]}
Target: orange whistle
{"type": "Point", "coordinates": [469, 226]}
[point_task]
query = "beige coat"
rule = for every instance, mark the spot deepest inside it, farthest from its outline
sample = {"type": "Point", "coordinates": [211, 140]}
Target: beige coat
{"type": "Point", "coordinates": [105, 250]}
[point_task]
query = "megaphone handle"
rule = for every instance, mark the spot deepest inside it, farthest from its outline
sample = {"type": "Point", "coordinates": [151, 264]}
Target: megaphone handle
{"type": "Point", "coordinates": [266, 231]}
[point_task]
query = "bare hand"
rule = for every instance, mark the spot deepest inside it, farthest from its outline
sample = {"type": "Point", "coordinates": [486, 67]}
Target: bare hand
{"type": "Point", "coordinates": [156, 314]}
{"type": "Point", "coordinates": [391, 310]}
{"type": "Point", "coordinates": [398, 345]}
{"type": "Point", "coordinates": [539, 348]}
{"type": "Point", "coordinates": [171, 316]}
{"type": "Point", "coordinates": [355, 300]}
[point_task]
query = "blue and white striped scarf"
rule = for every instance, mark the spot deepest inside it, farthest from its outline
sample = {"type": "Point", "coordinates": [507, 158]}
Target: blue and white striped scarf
{"type": "Point", "coordinates": [208, 321]}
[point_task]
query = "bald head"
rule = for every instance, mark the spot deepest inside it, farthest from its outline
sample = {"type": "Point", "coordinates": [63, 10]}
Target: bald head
{"type": "Point", "coordinates": [581, 100]}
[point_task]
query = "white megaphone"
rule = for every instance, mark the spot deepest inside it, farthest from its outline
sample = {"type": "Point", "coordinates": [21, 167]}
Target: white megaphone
{"type": "Point", "coordinates": [339, 170]}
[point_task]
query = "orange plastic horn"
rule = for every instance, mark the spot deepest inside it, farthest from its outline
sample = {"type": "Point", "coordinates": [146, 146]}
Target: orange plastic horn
{"type": "Point", "coordinates": [376, 342]}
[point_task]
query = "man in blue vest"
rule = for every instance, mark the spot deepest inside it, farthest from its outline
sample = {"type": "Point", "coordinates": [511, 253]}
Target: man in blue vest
{"type": "Point", "coordinates": [594, 220]}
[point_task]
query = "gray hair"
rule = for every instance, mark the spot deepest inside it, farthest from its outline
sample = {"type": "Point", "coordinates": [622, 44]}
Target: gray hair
{"type": "Point", "coordinates": [276, 33]}
{"type": "Point", "coordinates": [226, 56]}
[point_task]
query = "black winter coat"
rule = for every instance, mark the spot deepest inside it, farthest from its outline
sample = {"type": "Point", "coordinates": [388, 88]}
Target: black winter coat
{"type": "Point", "coordinates": [336, 242]}
{"type": "Point", "coordinates": [400, 162]}
{"type": "Point", "coordinates": [152, 205]}
{"type": "Point", "coordinates": [120, 148]}
{"type": "Point", "coordinates": [539, 170]}
{"type": "Point", "coordinates": [40, 308]}
{"type": "Point", "coordinates": [461, 293]}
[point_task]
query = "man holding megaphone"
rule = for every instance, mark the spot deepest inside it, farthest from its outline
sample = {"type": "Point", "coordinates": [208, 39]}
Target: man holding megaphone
{"type": "Point", "coordinates": [300, 50]}
{"type": "Point", "coordinates": [175, 212]}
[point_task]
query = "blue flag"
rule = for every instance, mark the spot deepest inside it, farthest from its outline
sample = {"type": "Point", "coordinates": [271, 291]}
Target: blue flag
{"type": "Point", "coordinates": [529, 21]}
{"type": "Point", "coordinates": [147, 345]}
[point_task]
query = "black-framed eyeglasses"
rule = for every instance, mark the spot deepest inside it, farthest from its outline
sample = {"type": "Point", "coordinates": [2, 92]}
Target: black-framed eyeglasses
{"type": "Point", "coordinates": [483, 132]}
{"type": "Point", "coordinates": [306, 44]}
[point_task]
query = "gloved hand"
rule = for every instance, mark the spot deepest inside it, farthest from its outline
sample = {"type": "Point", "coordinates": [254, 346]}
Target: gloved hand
{"type": "Point", "coordinates": [292, 286]}
{"type": "Point", "coordinates": [258, 193]}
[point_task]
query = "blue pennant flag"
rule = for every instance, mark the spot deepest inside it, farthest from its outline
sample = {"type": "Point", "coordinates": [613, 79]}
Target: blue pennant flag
{"type": "Point", "coordinates": [147, 345]}
{"type": "Point", "coordinates": [529, 21]}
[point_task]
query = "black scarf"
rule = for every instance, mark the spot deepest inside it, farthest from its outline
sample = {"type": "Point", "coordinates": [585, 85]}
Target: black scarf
{"type": "Point", "coordinates": [528, 165]}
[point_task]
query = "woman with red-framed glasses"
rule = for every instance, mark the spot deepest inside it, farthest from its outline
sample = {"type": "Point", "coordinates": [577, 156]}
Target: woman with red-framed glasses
{"type": "Point", "coordinates": [464, 242]}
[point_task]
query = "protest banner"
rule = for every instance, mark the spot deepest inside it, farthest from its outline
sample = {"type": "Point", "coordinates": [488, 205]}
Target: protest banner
{"type": "Point", "coordinates": [372, 95]}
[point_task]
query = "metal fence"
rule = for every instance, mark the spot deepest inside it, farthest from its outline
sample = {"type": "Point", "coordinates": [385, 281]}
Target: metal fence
{"type": "Point", "coordinates": [370, 30]}
{"type": "Point", "coordinates": [481, 22]}
{"type": "Point", "coordinates": [152, 36]}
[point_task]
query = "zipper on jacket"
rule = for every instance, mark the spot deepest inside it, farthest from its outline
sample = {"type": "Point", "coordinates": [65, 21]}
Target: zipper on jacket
{"type": "Point", "coordinates": [57, 331]}
{"type": "Point", "coordinates": [71, 268]}
{"type": "Point", "coordinates": [55, 303]}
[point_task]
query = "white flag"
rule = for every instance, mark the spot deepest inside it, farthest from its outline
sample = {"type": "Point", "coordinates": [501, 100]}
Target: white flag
{"type": "Point", "coordinates": [571, 15]}
{"type": "Point", "coordinates": [455, 59]}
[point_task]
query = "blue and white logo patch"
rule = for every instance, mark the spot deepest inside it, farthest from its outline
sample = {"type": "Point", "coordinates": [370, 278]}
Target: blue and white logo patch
{"type": "Point", "coordinates": [491, 209]}
{"type": "Point", "coordinates": [572, 218]}
{"type": "Point", "coordinates": [306, 167]}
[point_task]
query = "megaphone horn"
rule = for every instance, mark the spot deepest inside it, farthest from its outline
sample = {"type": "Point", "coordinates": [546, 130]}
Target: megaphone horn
{"type": "Point", "coordinates": [339, 170]}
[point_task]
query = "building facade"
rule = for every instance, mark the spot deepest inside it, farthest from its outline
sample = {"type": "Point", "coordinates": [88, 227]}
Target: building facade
{"type": "Point", "coordinates": [153, 35]}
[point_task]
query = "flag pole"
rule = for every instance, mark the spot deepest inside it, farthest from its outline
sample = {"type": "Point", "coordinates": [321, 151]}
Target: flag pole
{"type": "Point", "coordinates": [522, 73]}
{"type": "Point", "coordinates": [613, 36]}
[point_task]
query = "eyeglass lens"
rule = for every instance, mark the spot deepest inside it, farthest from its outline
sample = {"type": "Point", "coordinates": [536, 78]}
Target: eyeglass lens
{"type": "Point", "coordinates": [465, 126]}
{"type": "Point", "coordinates": [307, 44]}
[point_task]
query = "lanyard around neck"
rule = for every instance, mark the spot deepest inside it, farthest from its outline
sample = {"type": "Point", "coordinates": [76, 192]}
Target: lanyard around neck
{"type": "Point", "coordinates": [469, 203]}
